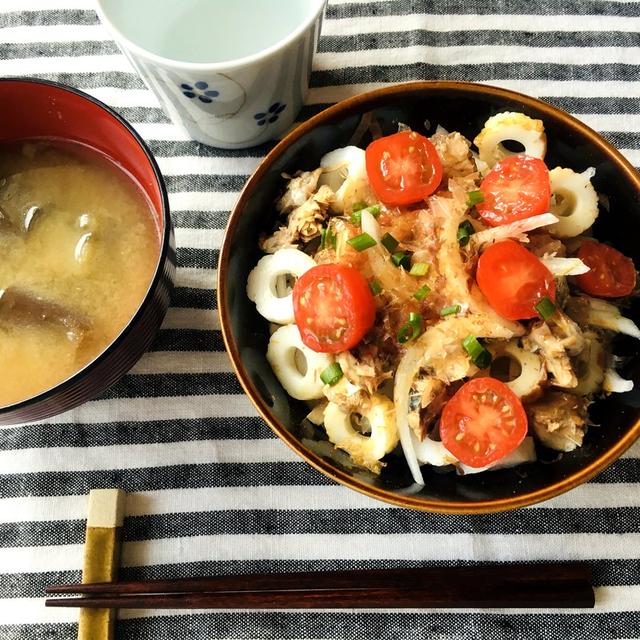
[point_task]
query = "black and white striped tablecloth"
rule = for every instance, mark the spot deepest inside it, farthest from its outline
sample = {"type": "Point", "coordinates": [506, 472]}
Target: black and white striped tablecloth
{"type": "Point", "coordinates": [212, 491]}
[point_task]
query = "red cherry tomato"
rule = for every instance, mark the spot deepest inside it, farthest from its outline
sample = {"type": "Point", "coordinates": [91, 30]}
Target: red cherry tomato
{"type": "Point", "coordinates": [612, 274]}
{"type": "Point", "coordinates": [403, 168]}
{"type": "Point", "coordinates": [517, 187]}
{"type": "Point", "coordinates": [483, 422]}
{"type": "Point", "coordinates": [514, 280]}
{"type": "Point", "coordinates": [333, 307]}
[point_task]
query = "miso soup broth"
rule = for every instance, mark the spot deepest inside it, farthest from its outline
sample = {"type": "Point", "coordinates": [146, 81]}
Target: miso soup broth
{"type": "Point", "coordinates": [78, 248]}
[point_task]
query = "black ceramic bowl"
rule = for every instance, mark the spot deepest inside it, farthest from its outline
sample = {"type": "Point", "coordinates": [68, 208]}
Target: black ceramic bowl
{"type": "Point", "coordinates": [41, 109]}
{"type": "Point", "coordinates": [463, 107]}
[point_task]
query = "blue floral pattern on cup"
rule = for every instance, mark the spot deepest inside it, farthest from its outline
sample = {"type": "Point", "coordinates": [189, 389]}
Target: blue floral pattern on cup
{"type": "Point", "coordinates": [199, 90]}
{"type": "Point", "coordinates": [270, 115]}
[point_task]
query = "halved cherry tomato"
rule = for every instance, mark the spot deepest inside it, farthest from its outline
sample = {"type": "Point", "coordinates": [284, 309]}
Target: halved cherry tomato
{"type": "Point", "coordinates": [333, 307]}
{"type": "Point", "coordinates": [612, 274]}
{"type": "Point", "coordinates": [483, 422]}
{"type": "Point", "coordinates": [517, 187]}
{"type": "Point", "coordinates": [403, 168]}
{"type": "Point", "coordinates": [514, 280]}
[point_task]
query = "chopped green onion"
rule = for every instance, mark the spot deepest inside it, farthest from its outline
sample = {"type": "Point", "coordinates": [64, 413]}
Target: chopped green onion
{"type": "Point", "coordinates": [478, 354]}
{"type": "Point", "coordinates": [358, 206]}
{"type": "Point", "coordinates": [450, 311]}
{"type": "Point", "coordinates": [401, 259]}
{"type": "Point", "coordinates": [419, 269]}
{"type": "Point", "coordinates": [362, 242]}
{"type": "Point", "coordinates": [545, 308]}
{"type": "Point", "coordinates": [356, 214]}
{"type": "Point", "coordinates": [374, 210]}
{"type": "Point", "coordinates": [375, 287]}
{"type": "Point", "coordinates": [331, 374]}
{"type": "Point", "coordinates": [412, 329]}
{"type": "Point", "coordinates": [483, 360]}
{"type": "Point", "coordinates": [465, 231]}
{"type": "Point", "coordinates": [389, 242]}
{"type": "Point", "coordinates": [422, 292]}
{"type": "Point", "coordinates": [474, 198]}
{"type": "Point", "coordinates": [327, 238]}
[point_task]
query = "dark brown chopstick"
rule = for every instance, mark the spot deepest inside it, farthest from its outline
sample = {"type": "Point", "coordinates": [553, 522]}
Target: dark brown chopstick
{"type": "Point", "coordinates": [565, 585]}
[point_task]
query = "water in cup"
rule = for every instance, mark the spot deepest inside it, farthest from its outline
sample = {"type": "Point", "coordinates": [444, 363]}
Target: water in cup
{"type": "Point", "coordinates": [204, 31]}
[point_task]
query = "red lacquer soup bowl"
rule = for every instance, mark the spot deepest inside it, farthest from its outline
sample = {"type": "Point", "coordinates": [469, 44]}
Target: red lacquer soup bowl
{"type": "Point", "coordinates": [37, 109]}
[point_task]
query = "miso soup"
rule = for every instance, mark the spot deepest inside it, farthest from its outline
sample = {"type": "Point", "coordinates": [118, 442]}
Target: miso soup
{"type": "Point", "coordinates": [78, 249]}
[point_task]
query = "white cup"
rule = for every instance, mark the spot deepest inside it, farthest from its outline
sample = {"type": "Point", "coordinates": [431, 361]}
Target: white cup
{"type": "Point", "coordinates": [235, 104]}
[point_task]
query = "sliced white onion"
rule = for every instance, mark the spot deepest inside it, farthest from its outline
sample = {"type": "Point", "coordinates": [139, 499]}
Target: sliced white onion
{"type": "Point", "coordinates": [449, 213]}
{"type": "Point", "coordinates": [614, 383]}
{"type": "Point", "coordinates": [405, 373]}
{"type": "Point", "coordinates": [626, 326]}
{"type": "Point", "coordinates": [316, 415]}
{"type": "Point", "coordinates": [482, 167]}
{"type": "Point", "coordinates": [513, 229]}
{"type": "Point", "coordinates": [301, 383]}
{"type": "Point", "coordinates": [266, 281]}
{"type": "Point", "coordinates": [81, 246]}
{"type": "Point", "coordinates": [565, 266]}
{"type": "Point", "coordinates": [608, 316]}
{"type": "Point", "coordinates": [30, 215]}
{"type": "Point", "coordinates": [524, 452]}
{"type": "Point", "coordinates": [432, 452]}
{"type": "Point", "coordinates": [345, 172]}
{"type": "Point", "coordinates": [370, 225]}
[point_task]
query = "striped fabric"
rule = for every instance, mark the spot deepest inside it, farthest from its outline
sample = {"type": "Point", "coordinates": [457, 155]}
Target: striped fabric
{"type": "Point", "coordinates": [212, 491]}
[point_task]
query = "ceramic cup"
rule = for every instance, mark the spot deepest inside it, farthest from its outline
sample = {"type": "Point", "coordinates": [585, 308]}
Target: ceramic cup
{"type": "Point", "coordinates": [234, 104]}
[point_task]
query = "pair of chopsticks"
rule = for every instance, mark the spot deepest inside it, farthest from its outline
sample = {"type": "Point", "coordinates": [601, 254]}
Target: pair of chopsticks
{"type": "Point", "coordinates": [565, 585]}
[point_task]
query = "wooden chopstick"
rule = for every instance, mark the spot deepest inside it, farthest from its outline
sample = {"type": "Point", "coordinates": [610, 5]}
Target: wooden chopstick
{"type": "Point", "coordinates": [565, 585]}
